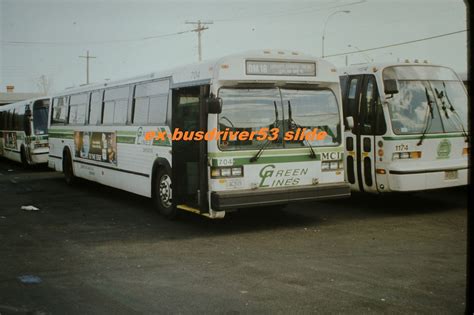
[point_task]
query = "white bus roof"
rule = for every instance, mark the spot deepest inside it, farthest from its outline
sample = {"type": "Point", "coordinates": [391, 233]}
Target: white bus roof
{"type": "Point", "coordinates": [230, 67]}
{"type": "Point", "coordinates": [377, 66]}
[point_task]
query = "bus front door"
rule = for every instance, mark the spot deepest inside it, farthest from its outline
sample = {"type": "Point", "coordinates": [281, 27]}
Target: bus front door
{"type": "Point", "coordinates": [189, 157]}
{"type": "Point", "coordinates": [361, 101]}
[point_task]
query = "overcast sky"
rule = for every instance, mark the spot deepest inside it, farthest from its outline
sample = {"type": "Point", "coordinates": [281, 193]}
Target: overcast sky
{"type": "Point", "coordinates": [55, 32]}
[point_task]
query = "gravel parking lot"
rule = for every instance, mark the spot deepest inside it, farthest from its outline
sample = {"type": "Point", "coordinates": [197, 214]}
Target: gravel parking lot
{"type": "Point", "coordinates": [99, 250]}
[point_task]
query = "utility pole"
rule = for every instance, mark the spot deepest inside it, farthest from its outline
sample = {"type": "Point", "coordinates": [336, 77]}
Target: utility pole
{"type": "Point", "coordinates": [87, 56]}
{"type": "Point", "coordinates": [199, 28]}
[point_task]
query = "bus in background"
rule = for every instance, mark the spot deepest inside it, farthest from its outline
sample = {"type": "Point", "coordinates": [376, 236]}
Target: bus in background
{"type": "Point", "coordinates": [24, 131]}
{"type": "Point", "coordinates": [100, 133]}
{"type": "Point", "coordinates": [406, 127]}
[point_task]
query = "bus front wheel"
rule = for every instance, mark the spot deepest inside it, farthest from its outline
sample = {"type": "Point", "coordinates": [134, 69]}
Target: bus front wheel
{"type": "Point", "coordinates": [67, 168]}
{"type": "Point", "coordinates": [163, 193]}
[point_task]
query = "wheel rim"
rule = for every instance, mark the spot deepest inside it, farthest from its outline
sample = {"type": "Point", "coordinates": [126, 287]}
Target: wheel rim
{"type": "Point", "coordinates": [165, 191]}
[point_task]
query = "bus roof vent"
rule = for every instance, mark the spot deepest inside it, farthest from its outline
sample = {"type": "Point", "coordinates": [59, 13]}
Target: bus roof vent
{"type": "Point", "coordinates": [407, 61]}
{"type": "Point", "coordinates": [267, 52]}
{"type": "Point", "coordinates": [281, 52]}
{"type": "Point", "coordinates": [416, 61]}
{"type": "Point", "coordinates": [294, 53]}
{"type": "Point", "coordinates": [425, 61]}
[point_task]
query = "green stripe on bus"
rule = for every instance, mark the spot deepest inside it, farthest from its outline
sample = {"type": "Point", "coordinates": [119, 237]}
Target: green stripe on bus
{"type": "Point", "coordinates": [272, 159]}
{"type": "Point", "coordinates": [61, 135]}
{"type": "Point", "coordinates": [126, 133]}
{"type": "Point", "coordinates": [417, 137]}
{"type": "Point", "coordinates": [129, 140]}
{"type": "Point", "coordinates": [60, 130]}
{"type": "Point", "coordinates": [270, 151]}
{"type": "Point", "coordinates": [158, 142]}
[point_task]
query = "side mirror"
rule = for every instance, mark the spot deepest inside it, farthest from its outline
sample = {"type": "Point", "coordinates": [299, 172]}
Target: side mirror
{"type": "Point", "coordinates": [214, 105]}
{"type": "Point", "coordinates": [350, 123]}
{"type": "Point", "coordinates": [390, 86]}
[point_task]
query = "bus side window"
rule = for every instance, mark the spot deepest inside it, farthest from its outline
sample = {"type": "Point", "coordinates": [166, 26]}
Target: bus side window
{"type": "Point", "coordinates": [95, 113]}
{"type": "Point", "coordinates": [19, 124]}
{"type": "Point", "coordinates": [116, 105]}
{"type": "Point", "coordinates": [12, 120]}
{"type": "Point", "coordinates": [151, 102]}
{"type": "Point", "coordinates": [60, 110]}
{"type": "Point", "coordinates": [78, 109]}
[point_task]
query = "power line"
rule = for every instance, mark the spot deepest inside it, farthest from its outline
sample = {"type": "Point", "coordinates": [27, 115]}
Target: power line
{"type": "Point", "coordinates": [92, 42]}
{"type": "Point", "coordinates": [397, 44]}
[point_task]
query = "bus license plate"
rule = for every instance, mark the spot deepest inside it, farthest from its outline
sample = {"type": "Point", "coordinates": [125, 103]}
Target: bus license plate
{"type": "Point", "coordinates": [450, 175]}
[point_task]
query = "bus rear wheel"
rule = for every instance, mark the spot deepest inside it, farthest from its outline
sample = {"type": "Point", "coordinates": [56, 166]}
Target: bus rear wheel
{"type": "Point", "coordinates": [163, 194]}
{"type": "Point", "coordinates": [68, 169]}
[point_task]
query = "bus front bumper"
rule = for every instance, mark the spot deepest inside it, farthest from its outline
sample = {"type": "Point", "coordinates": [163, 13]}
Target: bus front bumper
{"type": "Point", "coordinates": [227, 200]}
{"type": "Point", "coordinates": [404, 181]}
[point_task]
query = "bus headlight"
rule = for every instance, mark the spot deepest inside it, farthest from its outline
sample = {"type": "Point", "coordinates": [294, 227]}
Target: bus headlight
{"type": "Point", "coordinates": [406, 155]}
{"type": "Point", "coordinates": [332, 165]}
{"type": "Point", "coordinates": [226, 172]}
{"type": "Point", "coordinates": [235, 171]}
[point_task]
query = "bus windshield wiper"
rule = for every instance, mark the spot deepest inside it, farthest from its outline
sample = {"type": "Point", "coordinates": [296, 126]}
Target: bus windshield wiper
{"type": "Point", "coordinates": [429, 118]}
{"type": "Point", "coordinates": [444, 95]}
{"type": "Point", "coordinates": [267, 142]}
{"type": "Point", "coordinates": [440, 96]}
{"type": "Point", "coordinates": [294, 123]}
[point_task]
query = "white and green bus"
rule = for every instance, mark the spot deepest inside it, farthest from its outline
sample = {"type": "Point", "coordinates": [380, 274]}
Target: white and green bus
{"type": "Point", "coordinates": [406, 127]}
{"type": "Point", "coordinates": [102, 133]}
{"type": "Point", "coordinates": [24, 131]}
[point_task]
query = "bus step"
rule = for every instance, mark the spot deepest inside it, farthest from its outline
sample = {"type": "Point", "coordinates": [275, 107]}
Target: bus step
{"type": "Point", "coordinates": [217, 215]}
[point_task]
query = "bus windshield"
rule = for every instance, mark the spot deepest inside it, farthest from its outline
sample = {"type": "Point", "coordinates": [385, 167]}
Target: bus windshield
{"type": "Point", "coordinates": [286, 109]}
{"type": "Point", "coordinates": [40, 119]}
{"type": "Point", "coordinates": [417, 87]}
{"type": "Point", "coordinates": [312, 109]}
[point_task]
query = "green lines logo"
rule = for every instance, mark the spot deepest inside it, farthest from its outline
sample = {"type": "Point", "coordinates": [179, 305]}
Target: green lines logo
{"type": "Point", "coordinates": [444, 149]}
{"type": "Point", "coordinates": [270, 176]}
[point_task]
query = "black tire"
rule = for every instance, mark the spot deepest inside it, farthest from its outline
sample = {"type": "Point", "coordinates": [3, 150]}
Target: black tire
{"type": "Point", "coordinates": [68, 169]}
{"type": "Point", "coordinates": [24, 160]}
{"type": "Point", "coordinates": [163, 194]}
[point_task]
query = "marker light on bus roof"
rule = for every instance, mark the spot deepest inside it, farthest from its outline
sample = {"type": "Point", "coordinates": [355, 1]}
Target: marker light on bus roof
{"type": "Point", "coordinates": [465, 151]}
